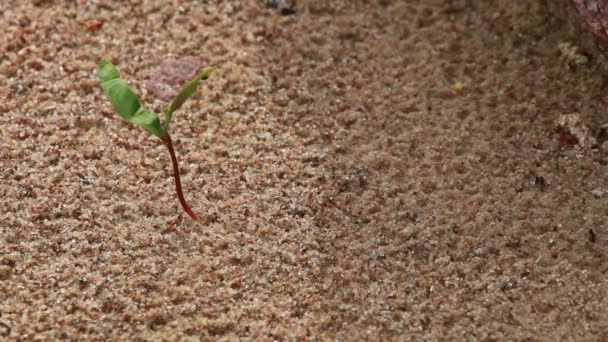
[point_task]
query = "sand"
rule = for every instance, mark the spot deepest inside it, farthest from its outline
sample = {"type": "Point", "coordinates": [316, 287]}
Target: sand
{"type": "Point", "coordinates": [365, 170]}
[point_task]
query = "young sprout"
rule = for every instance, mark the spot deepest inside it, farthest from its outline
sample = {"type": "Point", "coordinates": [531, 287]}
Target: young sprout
{"type": "Point", "coordinates": [127, 104]}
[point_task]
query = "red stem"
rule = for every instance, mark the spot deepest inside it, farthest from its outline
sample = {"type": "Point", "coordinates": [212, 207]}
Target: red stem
{"type": "Point", "coordinates": [178, 183]}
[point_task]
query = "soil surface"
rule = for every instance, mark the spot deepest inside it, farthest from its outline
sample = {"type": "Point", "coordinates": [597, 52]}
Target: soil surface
{"type": "Point", "coordinates": [365, 170]}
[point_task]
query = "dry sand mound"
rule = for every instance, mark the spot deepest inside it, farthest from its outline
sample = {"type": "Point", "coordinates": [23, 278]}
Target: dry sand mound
{"type": "Point", "coordinates": [378, 170]}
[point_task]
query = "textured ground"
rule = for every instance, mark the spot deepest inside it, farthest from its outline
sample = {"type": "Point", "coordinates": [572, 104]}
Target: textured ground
{"type": "Point", "coordinates": [379, 170]}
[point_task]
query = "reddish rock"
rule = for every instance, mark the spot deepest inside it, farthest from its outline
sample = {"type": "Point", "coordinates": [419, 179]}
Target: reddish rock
{"type": "Point", "coordinates": [173, 74]}
{"type": "Point", "coordinates": [591, 16]}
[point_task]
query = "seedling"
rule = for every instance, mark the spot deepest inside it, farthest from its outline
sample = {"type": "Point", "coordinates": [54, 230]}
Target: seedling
{"type": "Point", "coordinates": [127, 104]}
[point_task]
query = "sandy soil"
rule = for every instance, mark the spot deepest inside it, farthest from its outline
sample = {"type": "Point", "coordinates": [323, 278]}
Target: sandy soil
{"type": "Point", "coordinates": [378, 170]}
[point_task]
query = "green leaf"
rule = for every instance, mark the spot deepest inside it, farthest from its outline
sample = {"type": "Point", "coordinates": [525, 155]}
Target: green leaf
{"type": "Point", "coordinates": [188, 90]}
{"type": "Point", "coordinates": [125, 101]}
